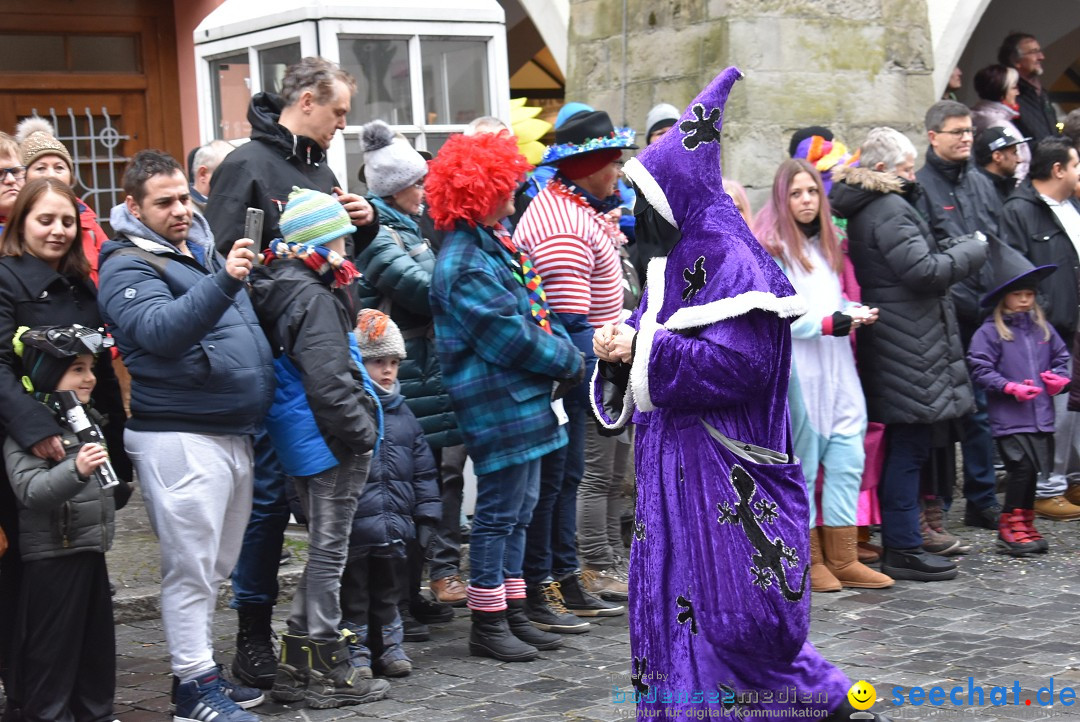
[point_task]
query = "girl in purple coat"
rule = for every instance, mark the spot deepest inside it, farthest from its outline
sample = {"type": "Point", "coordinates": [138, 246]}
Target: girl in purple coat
{"type": "Point", "coordinates": [1016, 356]}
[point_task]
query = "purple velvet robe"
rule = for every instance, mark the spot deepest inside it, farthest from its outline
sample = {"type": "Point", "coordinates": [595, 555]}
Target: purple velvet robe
{"type": "Point", "coordinates": [719, 574]}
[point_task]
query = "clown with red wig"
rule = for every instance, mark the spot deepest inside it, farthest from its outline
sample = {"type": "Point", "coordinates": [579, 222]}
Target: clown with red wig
{"type": "Point", "coordinates": [503, 356]}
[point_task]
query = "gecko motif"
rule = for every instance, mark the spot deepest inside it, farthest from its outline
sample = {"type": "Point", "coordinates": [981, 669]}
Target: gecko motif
{"type": "Point", "coordinates": [771, 554]}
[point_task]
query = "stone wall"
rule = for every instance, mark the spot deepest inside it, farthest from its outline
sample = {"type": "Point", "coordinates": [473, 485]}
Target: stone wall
{"type": "Point", "coordinates": [846, 64]}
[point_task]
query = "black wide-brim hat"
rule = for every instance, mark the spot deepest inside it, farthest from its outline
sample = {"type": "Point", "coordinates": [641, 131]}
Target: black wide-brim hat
{"type": "Point", "coordinates": [1011, 272]}
{"type": "Point", "coordinates": [587, 132]}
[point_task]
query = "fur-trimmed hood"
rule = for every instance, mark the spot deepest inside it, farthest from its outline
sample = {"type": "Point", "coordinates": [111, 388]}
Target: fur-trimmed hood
{"type": "Point", "coordinates": [854, 188]}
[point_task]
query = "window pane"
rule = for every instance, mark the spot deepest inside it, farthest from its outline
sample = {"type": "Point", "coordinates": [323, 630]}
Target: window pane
{"type": "Point", "coordinates": [272, 64]}
{"type": "Point", "coordinates": [21, 53]}
{"type": "Point", "coordinates": [381, 69]}
{"type": "Point", "coordinates": [455, 80]}
{"type": "Point", "coordinates": [434, 141]}
{"type": "Point", "coordinates": [230, 78]}
{"type": "Point", "coordinates": [104, 53]}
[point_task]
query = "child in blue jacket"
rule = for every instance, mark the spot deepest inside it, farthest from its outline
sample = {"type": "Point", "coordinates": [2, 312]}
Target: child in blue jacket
{"type": "Point", "coordinates": [399, 503]}
{"type": "Point", "coordinates": [1016, 355]}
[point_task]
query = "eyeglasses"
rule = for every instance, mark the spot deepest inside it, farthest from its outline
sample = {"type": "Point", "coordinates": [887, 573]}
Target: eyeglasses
{"type": "Point", "coordinates": [418, 184]}
{"type": "Point", "coordinates": [1032, 51]}
{"type": "Point", "coordinates": [18, 173]}
{"type": "Point", "coordinates": [959, 132]}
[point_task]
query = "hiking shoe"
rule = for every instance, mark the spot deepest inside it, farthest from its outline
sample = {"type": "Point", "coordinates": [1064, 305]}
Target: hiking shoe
{"type": "Point", "coordinates": [983, 518]}
{"type": "Point", "coordinates": [605, 583]}
{"type": "Point", "coordinates": [415, 630]}
{"type": "Point", "coordinates": [1014, 538]}
{"type": "Point", "coordinates": [1057, 508]}
{"type": "Point", "coordinates": [203, 700]}
{"type": "Point", "coordinates": [255, 662]}
{"type": "Point", "coordinates": [449, 590]}
{"type": "Point", "coordinates": [426, 611]}
{"type": "Point", "coordinates": [545, 609]}
{"type": "Point", "coordinates": [333, 681]}
{"type": "Point", "coordinates": [583, 604]}
{"type": "Point", "coordinates": [936, 538]}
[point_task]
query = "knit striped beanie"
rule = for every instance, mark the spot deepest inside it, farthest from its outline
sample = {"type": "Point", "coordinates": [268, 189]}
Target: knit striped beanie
{"type": "Point", "coordinates": [312, 218]}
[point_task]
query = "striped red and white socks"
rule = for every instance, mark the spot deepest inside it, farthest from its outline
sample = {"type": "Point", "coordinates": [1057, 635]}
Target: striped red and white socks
{"type": "Point", "coordinates": [483, 599]}
{"type": "Point", "coordinates": [515, 588]}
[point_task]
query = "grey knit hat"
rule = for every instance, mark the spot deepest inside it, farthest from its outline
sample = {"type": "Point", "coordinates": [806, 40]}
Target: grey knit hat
{"type": "Point", "coordinates": [662, 115]}
{"type": "Point", "coordinates": [390, 163]}
{"type": "Point", "coordinates": [378, 336]}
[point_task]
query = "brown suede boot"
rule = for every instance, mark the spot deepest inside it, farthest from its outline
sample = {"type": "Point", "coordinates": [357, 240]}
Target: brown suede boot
{"type": "Point", "coordinates": [840, 544]}
{"type": "Point", "coordinates": [821, 579]}
{"type": "Point", "coordinates": [868, 553]}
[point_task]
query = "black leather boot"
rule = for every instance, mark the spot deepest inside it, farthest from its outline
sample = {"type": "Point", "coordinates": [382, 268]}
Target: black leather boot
{"type": "Point", "coordinates": [491, 637]}
{"type": "Point", "coordinates": [524, 630]}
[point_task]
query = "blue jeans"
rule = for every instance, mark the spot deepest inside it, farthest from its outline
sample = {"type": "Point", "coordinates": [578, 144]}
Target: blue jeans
{"type": "Point", "coordinates": [504, 506]}
{"type": "Point", "coordinates": [898, 492]}
{"type": "Point", "coordinates": [550, 546]}
{"type": "Point", "coordinates": [329, 502]}
{"type": "Point", "coordinates": [980, 482]}
{"type": "Point", "coordinates": [254, 579]}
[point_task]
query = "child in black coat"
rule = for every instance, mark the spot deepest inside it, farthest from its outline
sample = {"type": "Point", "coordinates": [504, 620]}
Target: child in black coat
{"type": "Point", "coordinates": [400, 500]}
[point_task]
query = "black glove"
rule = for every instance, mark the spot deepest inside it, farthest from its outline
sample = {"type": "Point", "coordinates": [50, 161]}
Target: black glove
{"type": "Point", "coordinates": [122, 494]}
{"type": "Point", "coordinates": [565, 386]}
{"type": "Point", "coordinates": [841, 324]}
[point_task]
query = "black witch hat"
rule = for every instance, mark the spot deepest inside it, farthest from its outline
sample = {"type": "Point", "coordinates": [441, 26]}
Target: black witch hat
{"type": "Point", "coordinates": [1012, 272]}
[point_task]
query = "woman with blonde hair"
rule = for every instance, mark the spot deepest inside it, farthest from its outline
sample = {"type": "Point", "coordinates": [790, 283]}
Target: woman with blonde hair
{"type": "Point", "coordinates": [828, 410]}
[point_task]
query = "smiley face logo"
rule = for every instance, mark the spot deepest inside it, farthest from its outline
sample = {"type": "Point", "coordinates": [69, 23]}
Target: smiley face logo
{"type": "Point", "coordinates": [862, 695]}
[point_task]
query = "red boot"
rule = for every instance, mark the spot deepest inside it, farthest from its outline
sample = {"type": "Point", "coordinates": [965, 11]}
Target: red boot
{"type": "Point", "coordinates": [1029, 517]}
{"type": "Point", "coordinates": [1014, 538]}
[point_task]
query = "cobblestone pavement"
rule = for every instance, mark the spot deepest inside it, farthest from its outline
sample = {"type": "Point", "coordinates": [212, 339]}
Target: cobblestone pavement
{"type": "Point", "coordinates": [1001, 622]}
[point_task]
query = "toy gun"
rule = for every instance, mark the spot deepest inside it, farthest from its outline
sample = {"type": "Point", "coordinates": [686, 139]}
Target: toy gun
{"type": "Point", "coordinates": [87, 432]}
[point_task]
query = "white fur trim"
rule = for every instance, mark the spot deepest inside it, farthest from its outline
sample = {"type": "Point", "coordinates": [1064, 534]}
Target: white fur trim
{"type": "Point", "coordinates": [601, 416]}
{"type": "Point", "coordinates": [647, 328]}
{"type": "Point", "coordinates": [725, 308]}
{"type": "Point", "coordinates": [648, 186]}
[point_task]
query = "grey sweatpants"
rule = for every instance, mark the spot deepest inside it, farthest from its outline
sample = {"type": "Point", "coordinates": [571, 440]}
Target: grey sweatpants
{"type": "Point", "coordinates": [197, 489]}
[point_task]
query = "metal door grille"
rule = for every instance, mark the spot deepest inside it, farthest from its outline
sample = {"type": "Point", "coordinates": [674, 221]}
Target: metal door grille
{"type": "Point", "coordinates": [93, 142]}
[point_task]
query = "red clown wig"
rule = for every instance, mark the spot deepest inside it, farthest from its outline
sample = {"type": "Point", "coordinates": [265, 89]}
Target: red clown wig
{"type": "Point", "coordinates": [471, 175]}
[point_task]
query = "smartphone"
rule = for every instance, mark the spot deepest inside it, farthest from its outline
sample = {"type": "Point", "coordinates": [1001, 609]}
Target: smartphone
{"type": "Point", "coordinates": [253, 226]}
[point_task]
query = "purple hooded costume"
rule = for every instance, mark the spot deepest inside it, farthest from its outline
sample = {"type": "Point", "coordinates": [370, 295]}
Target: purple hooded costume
{"type": "Point", "coordinates": [720, 597]}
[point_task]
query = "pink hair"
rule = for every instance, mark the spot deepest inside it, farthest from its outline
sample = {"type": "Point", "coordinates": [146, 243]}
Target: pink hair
{"type": "Point", "coordinates": [777, 229]}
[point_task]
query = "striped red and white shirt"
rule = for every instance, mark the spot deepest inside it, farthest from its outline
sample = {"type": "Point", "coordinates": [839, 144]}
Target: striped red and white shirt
{"type": "Point", "coordinates": [575, 250]}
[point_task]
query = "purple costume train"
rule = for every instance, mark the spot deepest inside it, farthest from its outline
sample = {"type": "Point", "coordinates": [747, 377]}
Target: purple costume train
{"type": "Point", "coordinates": [720, 593]}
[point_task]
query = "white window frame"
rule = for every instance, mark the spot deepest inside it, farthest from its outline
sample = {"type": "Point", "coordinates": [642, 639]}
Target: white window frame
{"type": "Point", "coordinates": [493, 35]}
{"type": "Point", "coordinates": [304, 33]}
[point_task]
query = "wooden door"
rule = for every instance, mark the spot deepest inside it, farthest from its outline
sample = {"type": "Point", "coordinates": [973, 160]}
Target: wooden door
{"type": "Point", "coordinates": [100, 130]}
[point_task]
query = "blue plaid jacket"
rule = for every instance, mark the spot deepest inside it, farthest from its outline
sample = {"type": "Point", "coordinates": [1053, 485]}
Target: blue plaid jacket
{"type": "Point", "coordinates": [497, 363]}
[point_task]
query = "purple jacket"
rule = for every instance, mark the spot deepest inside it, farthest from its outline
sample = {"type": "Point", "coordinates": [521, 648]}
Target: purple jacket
{"type": "Point", "coordinates": [994, 363]}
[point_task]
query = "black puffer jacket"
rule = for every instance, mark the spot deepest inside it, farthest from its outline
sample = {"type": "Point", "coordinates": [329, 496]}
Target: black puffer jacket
{"type": "Point", "coordinates": [958, 200]}
{"type": "Point", "coordinates": [910, 361]}
{"type": "Point", "coordinates": [402, 486]}
{"type": "Point", "coordinates": [305, 320]}
{"type": "Point", "coordinates": [1032, 228]}
{"type": "Point", "coordinates": [262, 173]}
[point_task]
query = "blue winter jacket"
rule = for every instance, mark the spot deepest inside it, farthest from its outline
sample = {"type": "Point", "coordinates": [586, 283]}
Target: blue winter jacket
{"type": "Point", "coordinates": [198, 359]}
{"type": "Point", "coordinates": [402, 486]}
{"type": "Point", "coordinates": [295, 436]}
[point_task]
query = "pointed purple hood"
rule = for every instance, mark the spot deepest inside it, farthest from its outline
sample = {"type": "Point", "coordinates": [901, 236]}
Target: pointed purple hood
{"type": "Point", "coordinates": [718, 269]}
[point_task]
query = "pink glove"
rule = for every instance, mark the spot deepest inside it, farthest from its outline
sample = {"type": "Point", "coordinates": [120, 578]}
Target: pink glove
{"type": "Point", "coordinates": [1054, 384]}
{"type": "Point", "coordinates": [1022, 392]}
